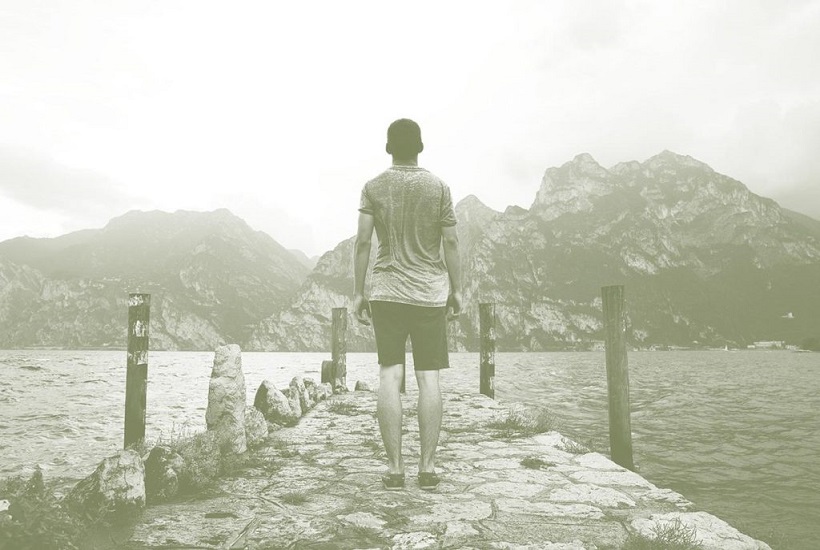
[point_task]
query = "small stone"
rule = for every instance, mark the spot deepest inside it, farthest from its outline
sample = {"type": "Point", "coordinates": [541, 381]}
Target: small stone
{"type": "Point", "coordinates": [256, 427]}
{"type": "Point", "coordinates": [118, 484]}
{"type": "Point", "coordinates": [226, 399]}
{"type": "Point", "coordinates": [361, 385]}
{"type": "Point", "coordinates": [162, 469]}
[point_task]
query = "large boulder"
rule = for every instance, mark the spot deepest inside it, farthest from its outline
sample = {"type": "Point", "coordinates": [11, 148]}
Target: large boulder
{"type": "Point", "coordinates": [361, 385]}
{"type": "Point", "coordinates": [117, 485]}
{"type": "Point", "coordinates": [256, 428]}
{"type": "Point", "coordinates": [299, 387]}
{"type": "Point", "coordinates": [226, 399]}
{"type": "Point", "coordinates": [162, 472]}
{"type": "Point", "coordinates": [274, 405]}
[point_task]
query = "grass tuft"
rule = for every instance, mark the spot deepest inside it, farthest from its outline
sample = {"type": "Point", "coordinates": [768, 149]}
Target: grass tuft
{"type": "Point", "coordinates": [523, 422]}
{"type": "Point", "coordinates": [670, 536]}
{"type": "Point", "coordinates": [294, 498]}
{"type": "Point", "coordinates": [535, 463]}
{"type": "Point", "coordinates": [572, 447]}
{"type": "Point", "coordinates": [374, 446]}
{"type": "Point", "coordinates": [342, 407]}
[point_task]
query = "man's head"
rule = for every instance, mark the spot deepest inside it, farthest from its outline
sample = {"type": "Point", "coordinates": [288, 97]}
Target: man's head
{"type": "Point", "coordinates": [404, 139]}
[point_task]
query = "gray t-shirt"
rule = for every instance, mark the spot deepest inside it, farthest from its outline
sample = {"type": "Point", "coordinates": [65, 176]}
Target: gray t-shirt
{"type": "Point", "coordinates": [410, 206]}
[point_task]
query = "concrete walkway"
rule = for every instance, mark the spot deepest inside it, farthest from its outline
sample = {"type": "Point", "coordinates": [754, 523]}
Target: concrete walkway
{"type": "Point", "coordinates": [317, 485]}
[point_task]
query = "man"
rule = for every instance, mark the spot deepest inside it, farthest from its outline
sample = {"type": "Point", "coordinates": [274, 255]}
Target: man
{"type": "Point", "coordinates": [412, 291]}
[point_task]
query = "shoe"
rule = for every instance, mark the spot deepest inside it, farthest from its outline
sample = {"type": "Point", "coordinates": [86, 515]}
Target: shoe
{"type": "Point", "coordinates": [428, 481]}
{"type": "Point", "coordinates": [393, 482]}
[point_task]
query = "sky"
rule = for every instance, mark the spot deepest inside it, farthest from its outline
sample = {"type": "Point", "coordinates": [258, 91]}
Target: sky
{"type": "Point", "coordinates": [278, 110]}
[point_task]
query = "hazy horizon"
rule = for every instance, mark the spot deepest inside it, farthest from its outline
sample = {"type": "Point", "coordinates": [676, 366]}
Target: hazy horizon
{"type": "Point", "coordinates": [279, 113]}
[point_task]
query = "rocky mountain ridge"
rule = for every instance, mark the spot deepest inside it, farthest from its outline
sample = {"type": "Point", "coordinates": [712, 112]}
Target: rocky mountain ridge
{"type": "Point", "coordinates": [705, 262]}
{"type": "Point", "coordinates": [212, 278]}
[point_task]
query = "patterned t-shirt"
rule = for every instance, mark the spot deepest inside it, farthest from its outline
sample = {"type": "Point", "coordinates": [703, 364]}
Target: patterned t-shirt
{"type": "Point", "coordinates": [410, 206]}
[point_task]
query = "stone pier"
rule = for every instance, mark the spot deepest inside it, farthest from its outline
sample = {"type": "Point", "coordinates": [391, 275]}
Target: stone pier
{"type": "Point", "coordinates": [317, 485]}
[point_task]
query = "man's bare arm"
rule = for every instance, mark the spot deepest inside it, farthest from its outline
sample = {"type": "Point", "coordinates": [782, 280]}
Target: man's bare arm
{"type": "Point", "coordinates": [449, 237]}
{"type": "Point", "coordinates": [360, 261]}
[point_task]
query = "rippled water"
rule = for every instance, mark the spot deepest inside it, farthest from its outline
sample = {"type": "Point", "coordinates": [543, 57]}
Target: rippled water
{"type": "Point", "coordinates": [735, 432]}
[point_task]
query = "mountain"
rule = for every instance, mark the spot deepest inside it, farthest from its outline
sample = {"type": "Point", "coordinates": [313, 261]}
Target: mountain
{"type": "Point", "coordinates": [704, 260]}
{"type": "Point", "coordinates": [212, 279]}
{"type": "Point", "coordinates": [307, 261]}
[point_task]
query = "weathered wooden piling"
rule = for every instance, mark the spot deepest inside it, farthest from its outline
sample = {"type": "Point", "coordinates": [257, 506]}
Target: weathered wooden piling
{"type": "Point", "coordinates": [486, 318]}
{"type": "Point", "coordinates": [136, 376]}
{"type": "Point", "coordinates": [327, 372]}
{"type": "Point", "coordinates": [617, 376]}
{"type": "Point", "coordinates": [339, 348]}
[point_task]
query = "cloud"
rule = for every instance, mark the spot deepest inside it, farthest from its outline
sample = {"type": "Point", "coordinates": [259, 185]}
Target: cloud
{"type": "Point", "coordinates": [773, 149]}
{"type": "Point", "coordinates": [39, 182]}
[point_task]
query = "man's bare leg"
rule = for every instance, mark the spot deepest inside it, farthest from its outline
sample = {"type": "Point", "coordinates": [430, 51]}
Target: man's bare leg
{"type": "Point", "coordinates": [388, 411]}
{"type": "Point", "coordinates": [429, 418]}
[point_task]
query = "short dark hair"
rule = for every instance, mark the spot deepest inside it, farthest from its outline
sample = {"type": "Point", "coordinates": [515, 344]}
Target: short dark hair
{"type": "Point", "coordinates": [404, 138]}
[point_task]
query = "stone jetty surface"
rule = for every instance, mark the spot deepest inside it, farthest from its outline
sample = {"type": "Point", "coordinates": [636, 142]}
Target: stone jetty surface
{"type": "Point", "coordinates": [318, 485]}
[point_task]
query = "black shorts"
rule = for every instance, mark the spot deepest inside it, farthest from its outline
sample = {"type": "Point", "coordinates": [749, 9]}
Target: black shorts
{"type": "Point", "coordinates": [426, 326]}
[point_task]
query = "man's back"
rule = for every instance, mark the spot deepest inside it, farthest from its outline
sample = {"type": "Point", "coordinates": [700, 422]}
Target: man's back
{"type": "Point", "coordinates": [409, 206]}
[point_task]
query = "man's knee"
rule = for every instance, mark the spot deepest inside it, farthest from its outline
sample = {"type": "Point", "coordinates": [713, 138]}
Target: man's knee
{"type": "Point", "coordinates": [427, 379]}
{"type": "Point", "coordinates": [391, 375]}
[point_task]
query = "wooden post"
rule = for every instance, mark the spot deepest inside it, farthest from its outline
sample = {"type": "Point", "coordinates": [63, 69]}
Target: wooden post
{"type": "Point", "coordinates": [136, 376]}
{"type": "Point", "coordinates": [339, 349]}
{"type": "Point", "coordinates": [327, 372]}
{"type": "Point", "coordinates": [617, 376]}
{"type": "Point", "coordinates": [486, 317]}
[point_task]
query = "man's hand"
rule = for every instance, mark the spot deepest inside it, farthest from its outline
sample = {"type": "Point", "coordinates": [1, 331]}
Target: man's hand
{"type": "Point", "coordinates": [453, 306]}
{"type": "Point", "coordinates": [361, 308]}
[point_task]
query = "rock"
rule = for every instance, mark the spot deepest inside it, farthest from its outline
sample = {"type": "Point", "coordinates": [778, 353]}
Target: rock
{"type": "Point", "coordinates": [326, 389]}
{"type": "Point", "coordinates": [361, 385]}
{"type": "Point", "coordinates": [274, 405]}
{"type": "Point", "coordinates": [313, 390]}
{"type": "Point", "coordinates": [298, 388]}
{"type": "Point", "coordinates": [162, 470]}
{"type": "Point", "coordinates": [256, 428]}
{"type": "Point", "coordinates": [118, 484]}
{"type": "Point", "coordinates": [226, 399]}
{"type": "Point", "coordinates": [295, 402]}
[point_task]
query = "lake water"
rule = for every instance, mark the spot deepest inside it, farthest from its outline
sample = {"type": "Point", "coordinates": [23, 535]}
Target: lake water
{"type": "Point", "coordinates": [734, 432]}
